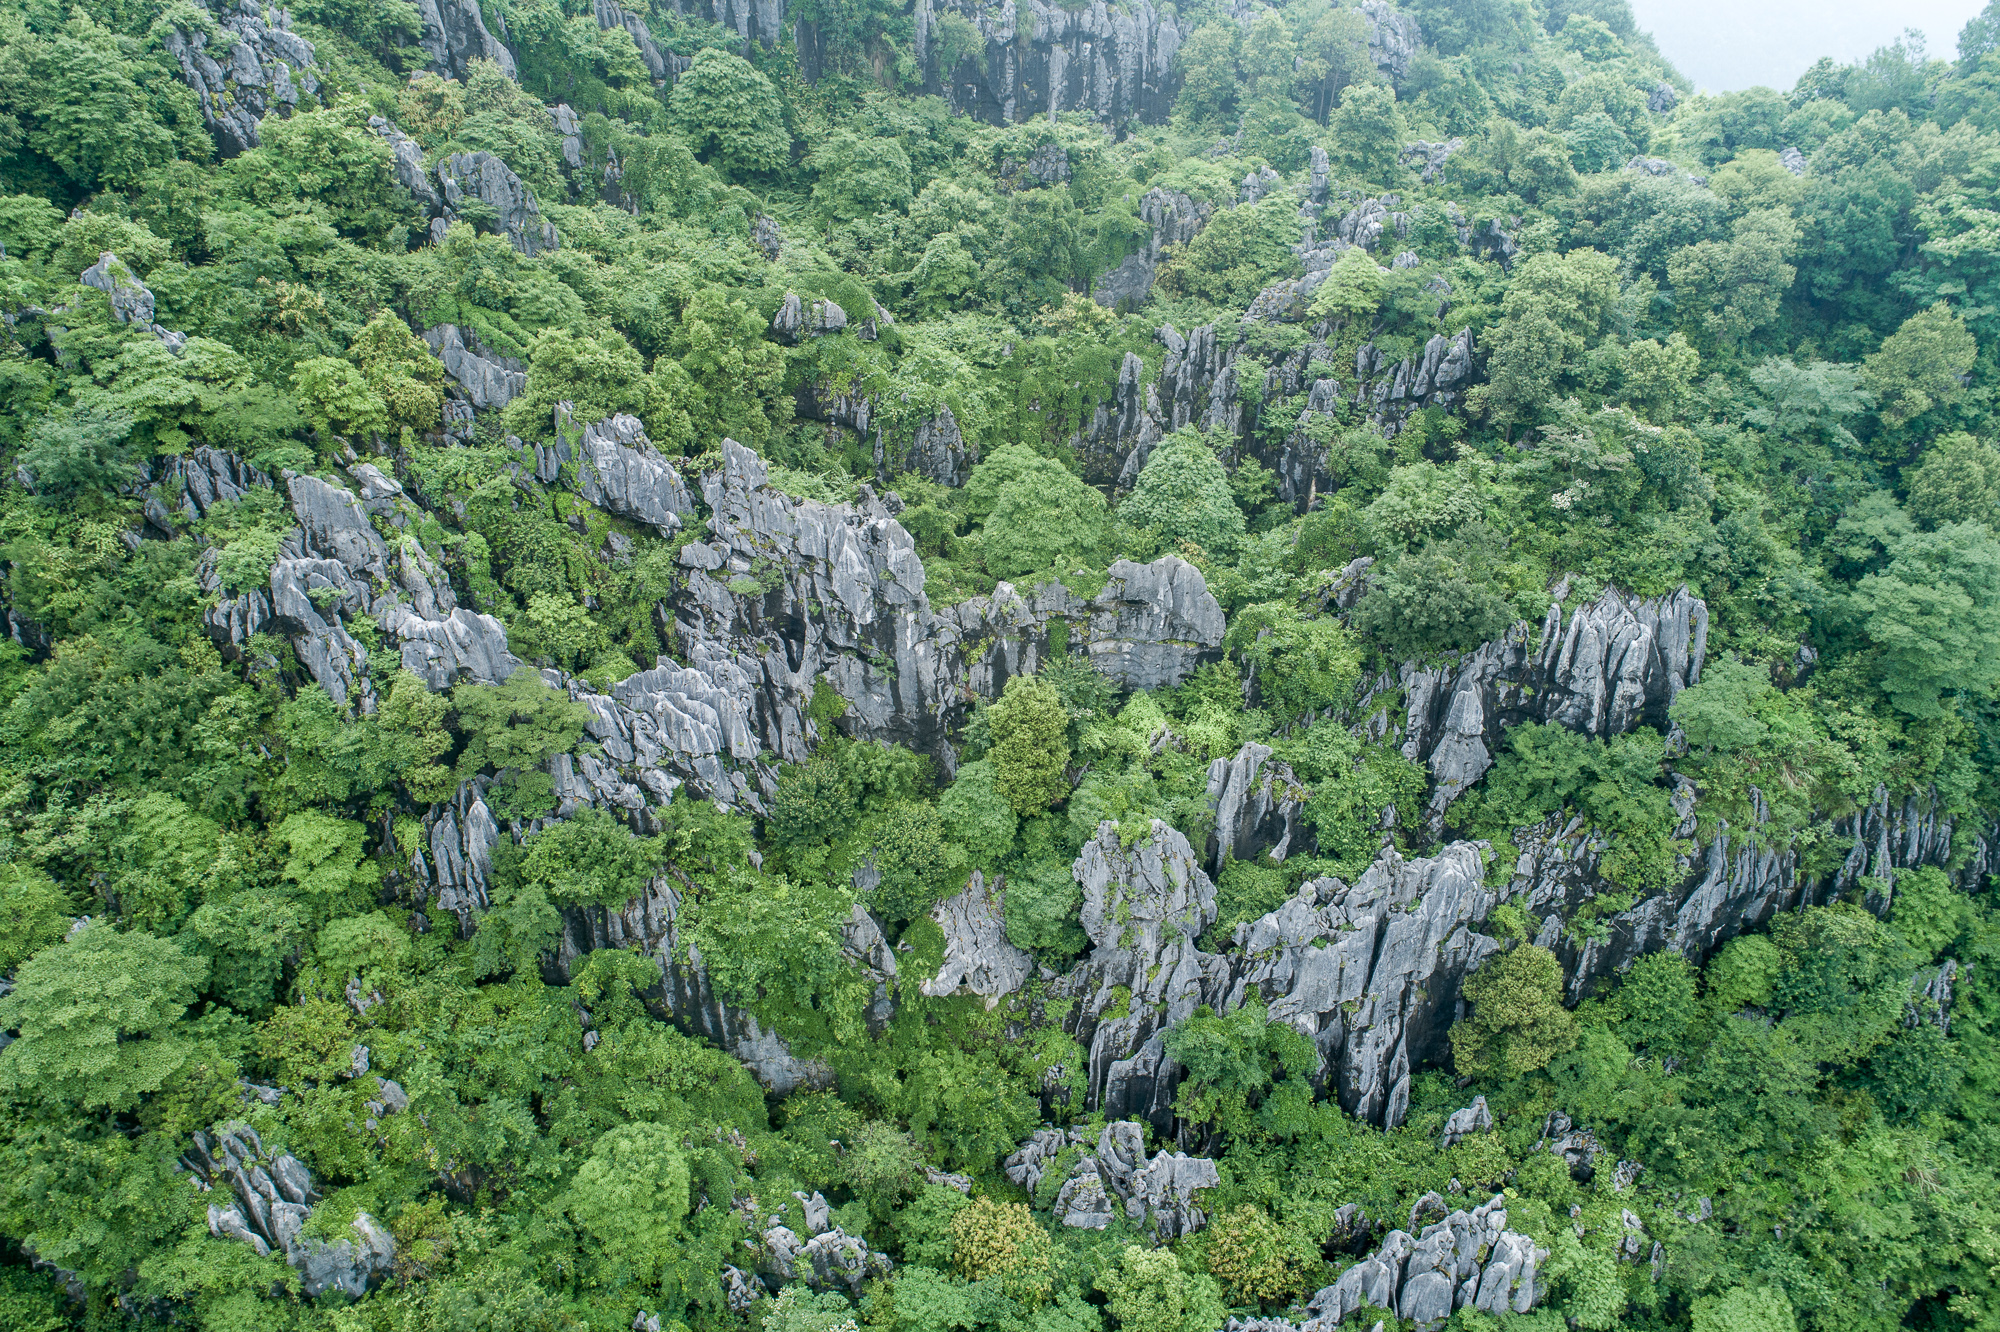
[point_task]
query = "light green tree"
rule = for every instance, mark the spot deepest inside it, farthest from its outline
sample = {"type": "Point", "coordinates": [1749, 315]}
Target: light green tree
{"type": "Point", "coordinates": [1030, 745]}
{"type": "Point", "coordinates": [631, 1193]}
{"type": "Point", "coordinates": [1956, 481]}
{"type": "Point", "coordinates": [1518, 1022]}
{"type": "Point", "coordinates": [1183, 495]}
{"type": "Point", "coordinates": [731, 114]}
{"type": "Point", "coordinates": [1921, 365]}
{"type": "Point", "coordinates": [1933, 617]}
{"type": "Point", "coordinates": [1366, 133]}
{"type": "Point", "coordinates": [99, 1019]}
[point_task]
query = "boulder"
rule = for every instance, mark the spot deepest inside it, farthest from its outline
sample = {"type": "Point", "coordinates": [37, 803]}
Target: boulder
{"type": "Point", "coordinates": [131, 299]}
{"type": "Point", "coordinates": [619, 470]}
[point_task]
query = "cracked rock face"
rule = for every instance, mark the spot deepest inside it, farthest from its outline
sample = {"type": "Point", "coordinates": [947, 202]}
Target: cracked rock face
{"type": "Point", "coordinates": [978, 958]}
{"type": "Point", "coordinates": [1258, 807]}
{"type": "Point", "coordinates": [1469, 1258]}
{"type": "Point", "coordinates": [664, 66]}
{"type": "Point", "coordinates": [1113, 62]}
{"type": "Point", "coordinates": [619, 470]}
{"type": "Point", "coordinates": [464, 178]}
{"type": "Point", "coordinates": [455, 34]}
{"type": "Point", "coordinates": [1175, 219]}
{"type": "Point", "coordinates": [273, 1197]}
{"type": "Point", "coordinates": [486, 380]}
{"type": "Point", "coordinates": [1161, 1194]}
{"type": "Point", "coordinates": [335, 566]}
{"type": "Point", "coordinates": [1371, 972]}
{"type": "Point", "coordinates": [1393, 38]}
{"type": "Point", "coordinates": [260, 68]}
{"type": "Point", "coordinates": [1616, 662]}
{"type": "Point", "coordinates": [940, 451]}
{"type": "Point", "coordinates": [1142, 908]}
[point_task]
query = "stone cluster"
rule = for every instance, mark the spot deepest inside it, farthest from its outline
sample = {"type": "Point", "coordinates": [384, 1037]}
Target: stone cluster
{"type": "Point", "coordinates": [272, 1197]}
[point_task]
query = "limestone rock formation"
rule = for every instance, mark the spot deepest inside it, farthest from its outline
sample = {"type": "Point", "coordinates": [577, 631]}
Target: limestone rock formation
{"type": "Point", "coordinates": [1198, 385]}
{"type": "Point", "coordinates": [1469, 1258]}
{"type": "Point", "coordinates": [1371, 972]}
{"type": "Point", "coordinates": [273, 1196]}
{"type": "Point", "coordinates": [1175, 220]}
{"type": "Point", "coordinates": [408, 166]}
{"type": "Point", "coordinates": [1428, 159]}
{"type": "Point", "coordinates": [1462, 1124]}
{"type": "Point", "coordinates": [467, 177]}
{"type": "Point", "coordinates": [826, 1259]}
{"type": "Point", "coordinates": [664, 66]}
{"type": "Point", "coordinates": [486, 380]}
{"type": "Point", "coordinates": [619, 470]}
{"type": "Point", "coordinates": [1616, 662]}
{"type": "Point", "coordinates": [1142, 908]}
{"type": "Point", "coordinates": [259, 68]}
{"type": "Point", "coordinates": [940, 451]}
{"type": "Point", "coordinates": [1113, 62]}
{"type": "Point", "coordinates": [131, 299]}
{"type": "Point", "coordinates": [1162, 1194]}
{"type": "Point", "coordinates": [978, 958]}
{"type": "Point", "coordinates": [1393, 37]}
{"type": "Point", "coordinates": [335, 566]}
{"type": "Point", "coordinates": [1258, 806]}
{"type": "Point", "coordinates": [455, 34]}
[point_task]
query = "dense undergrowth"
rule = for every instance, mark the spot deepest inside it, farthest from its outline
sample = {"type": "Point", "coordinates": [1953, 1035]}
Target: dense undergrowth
{"type": "Point", "coordinates": [1774, 387]}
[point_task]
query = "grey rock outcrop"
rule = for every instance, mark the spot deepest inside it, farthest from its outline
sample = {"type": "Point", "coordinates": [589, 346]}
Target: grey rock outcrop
{"type": "Point", "coordinates": [185, 487]}
{"type": "Point", "coordinates": [1469, 1258]}
{"type": "Point", "coordinates": [464, 178]}
{"type": "Point", "coordinates": [1258, 806]}
{"type": "Point", "coordinates": [1428, 159]}
{"type": "Point", "coordinates": [1163, 1194]}
{"type": "Point", "coordinates": [619, 470]}
{"type": "Point", "coordinates": [263, 69]}
{"type": "Point", "coordinates": [978, 957]}
{"type": "Point", "coordinates": [335, 566]}
{"type": "Point", "coordinates": [1371, 972]}
{"type": "Point", "coordinates": [131, 300]}
{"type": "Point", "coordinates": [1112, 62]}
{"type": "Point", "coordinates": [664, 66]}
{"type": "Point", "coordinates": [1616, 662]}
{"type": "Point", "coordinates": [1199, 385]}
{"type": "Point", "coordinates": [1393, 37]}
{"type": "Point", "coordinates": [1462, 1124]}
{"type": "Point", "coordinates": [454, 34]}
{"type": "Point", "coordinates": [408, 167]}
{"type": "Point", "coordinates": [1792, 160]}
{"type": "Point", "coordinates": [940, 451]}
{"type": "Point", "coordinates": [273, 1197]}
{"type": "Point", "coordinates": [1174, 219]}
{"type": "Point", "coordinates": [826, 1259]}
{"type": "Point", "coordinates": [487, 380]}
{"type": "Point", "coordinates": [1663, 98]}
{"type": "Point", "coordinates": [1142, 909]}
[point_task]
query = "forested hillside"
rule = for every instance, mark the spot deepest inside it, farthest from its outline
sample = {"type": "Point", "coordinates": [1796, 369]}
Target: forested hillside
{"type": "Point", "coordinates": [993, 666]}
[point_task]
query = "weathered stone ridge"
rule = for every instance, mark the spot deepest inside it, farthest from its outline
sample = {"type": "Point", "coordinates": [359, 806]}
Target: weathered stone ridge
{"type": "Point", "coordinates": [1616, 662]}
{"type": "Point", "coordinates": [1114, 62]}
{"type": "Point", "coordinates": [263, 69]}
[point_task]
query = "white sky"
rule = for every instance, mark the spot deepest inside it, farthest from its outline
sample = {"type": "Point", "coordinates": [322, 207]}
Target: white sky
{"type": "Point", "coordinates": [1727, 45]}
